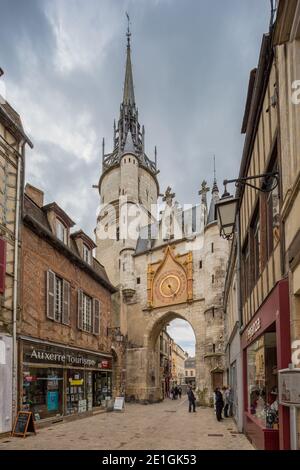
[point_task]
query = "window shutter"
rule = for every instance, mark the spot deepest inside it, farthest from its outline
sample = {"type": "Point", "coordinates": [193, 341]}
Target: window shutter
{"type": "Point", "coordinates": [80, 310]}
{"type": "Point", "coordinates": [66, 303]}
{"type": "Point", "coordinates": [96, 317]}
{"type": "Point", "coordinates": [50, 294]}
{"type": "Point", "coordinates": [2, 265]}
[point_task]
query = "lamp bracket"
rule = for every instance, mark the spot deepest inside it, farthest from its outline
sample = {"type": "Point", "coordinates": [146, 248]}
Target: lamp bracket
{"type": "Point", "coordinates": [265, 188]}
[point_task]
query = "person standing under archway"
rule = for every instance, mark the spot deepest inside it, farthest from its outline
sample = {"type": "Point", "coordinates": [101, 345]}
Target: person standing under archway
{"type": "Point", "coordinates": [192, 399]}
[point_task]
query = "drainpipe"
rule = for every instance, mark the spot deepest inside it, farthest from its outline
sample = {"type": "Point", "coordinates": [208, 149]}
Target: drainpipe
{"type": "Point", "coordinates": [15, 284]}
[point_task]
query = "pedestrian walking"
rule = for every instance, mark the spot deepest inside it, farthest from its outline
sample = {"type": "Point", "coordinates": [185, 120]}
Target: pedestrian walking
{"type": "Point", "coordinates": [219, 403]}
{"type": "Point", "coordinates": [192, 400]}
{"type": "Point", "coordinates": [179, 391]}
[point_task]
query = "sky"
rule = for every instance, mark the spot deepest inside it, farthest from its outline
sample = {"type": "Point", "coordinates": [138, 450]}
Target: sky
{"type": "Point", "coordinates": [64, 64]}
{"type": "Point", "coordinates": [183, 334]}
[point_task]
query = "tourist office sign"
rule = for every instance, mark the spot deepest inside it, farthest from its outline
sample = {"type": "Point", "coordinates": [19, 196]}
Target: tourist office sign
{"type": "Point", "coordinates": [37, 353]}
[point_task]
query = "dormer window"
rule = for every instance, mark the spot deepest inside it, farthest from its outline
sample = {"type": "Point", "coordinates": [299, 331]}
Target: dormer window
{"type": "Point", "coordinates": [61, 231]}
{"type": "Point", "coordinates": [87, 254]}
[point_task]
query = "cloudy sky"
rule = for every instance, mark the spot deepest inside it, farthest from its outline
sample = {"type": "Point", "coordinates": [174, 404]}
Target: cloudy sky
{"type": "Point", "coordinates": [64, 63]}
{"type": "Point", "coordinates": [183, 334]}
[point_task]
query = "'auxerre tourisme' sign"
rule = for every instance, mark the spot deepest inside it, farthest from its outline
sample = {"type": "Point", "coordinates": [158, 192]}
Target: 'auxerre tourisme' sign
{"type": "Point", "coordinates": [46, 354]}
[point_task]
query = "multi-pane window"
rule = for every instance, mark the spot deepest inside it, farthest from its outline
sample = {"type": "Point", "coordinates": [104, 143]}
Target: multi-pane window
{"type": "Point", "coordinates": [88, 319]}
{"type": "Point", "coordinates": [272, 216]}
{"type": "Point", "coordinates": [61, 231]}
{"type": "Point", "coordinates": [246, 271]}
{"type": "Point", "coordinates": [58, 298]}
{"type": "Point", "coordinates": [87, 314]}
{"type": "Point", "coordinates": [87, 254]}
{"type": "Point", "coordinates": [256, 248]}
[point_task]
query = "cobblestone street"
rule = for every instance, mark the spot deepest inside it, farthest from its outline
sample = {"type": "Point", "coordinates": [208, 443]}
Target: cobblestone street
{"type": "Point", "coordinates": [162, 426]}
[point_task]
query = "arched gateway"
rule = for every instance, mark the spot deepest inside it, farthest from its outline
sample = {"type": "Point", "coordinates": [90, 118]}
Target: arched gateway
{"type": "Point", "coordinates": [166, 268]}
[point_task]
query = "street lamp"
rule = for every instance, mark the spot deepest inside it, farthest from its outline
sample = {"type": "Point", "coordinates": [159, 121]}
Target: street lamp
{"type": "Point", "coordinates": [226, 207]}
{"type": "Point", "coordinates": [116, 334]}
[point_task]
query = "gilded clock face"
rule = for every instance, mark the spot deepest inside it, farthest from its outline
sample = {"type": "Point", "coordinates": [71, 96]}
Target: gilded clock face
{"type": "Point", "coordinates": [169, 285]}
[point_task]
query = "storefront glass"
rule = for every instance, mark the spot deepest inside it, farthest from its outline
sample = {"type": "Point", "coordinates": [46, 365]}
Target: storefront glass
{"type": "Point", "coordinates": [262, 380]}
{"type": "Point", "coordinates": [102, 387]}
{"type": "Point", "coordinates": [43, 392]}
{"type": "Point", "coordinates": [76, 385]}
{"type": "Point", "coordinates": [75, 392]}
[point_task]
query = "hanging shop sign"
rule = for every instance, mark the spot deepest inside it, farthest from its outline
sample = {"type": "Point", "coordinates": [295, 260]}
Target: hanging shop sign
{"type": "Point", "coordinates": [253, 329]}
{"type": "Point", "coordinates": [46, 354]}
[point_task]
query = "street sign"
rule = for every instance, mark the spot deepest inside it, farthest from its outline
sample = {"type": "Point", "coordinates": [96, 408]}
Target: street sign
{"type": "Point", "coordinates": [289, 387]}
{"type": "Point", "coordinates": [23, 424]}
{"type": "Point", "coordinates": [119, 404]}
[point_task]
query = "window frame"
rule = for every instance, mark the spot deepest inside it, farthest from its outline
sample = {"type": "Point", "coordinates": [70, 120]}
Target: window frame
{"type": "Point", "coordinates": [87, 254]}
{"type": "Point", "coordinates": [59, 224]}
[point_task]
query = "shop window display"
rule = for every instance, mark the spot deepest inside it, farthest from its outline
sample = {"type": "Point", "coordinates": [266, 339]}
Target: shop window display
{"type": "Point", "coordinates": [75, 392]}
{"type": "Point", "coordinates": [262, 380]}
{"type": "Point", "coordinates": [42, 392]}
{"type": "Point", "coordinates": [102, 387]}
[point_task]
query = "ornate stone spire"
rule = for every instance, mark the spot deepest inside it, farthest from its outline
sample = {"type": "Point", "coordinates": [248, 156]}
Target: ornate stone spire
{"type": "Point", "coordinates": [128, 94]}
{"type": "Point", "coordinates": [127, 131]}
{"type": "Point", "coordinates": [212, 216]}
{"type": "Point", "coordinates": [215, 188]}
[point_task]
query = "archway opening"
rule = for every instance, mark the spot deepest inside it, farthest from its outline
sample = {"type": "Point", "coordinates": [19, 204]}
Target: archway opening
{"type": "Point", "coordinates": [173, 343]}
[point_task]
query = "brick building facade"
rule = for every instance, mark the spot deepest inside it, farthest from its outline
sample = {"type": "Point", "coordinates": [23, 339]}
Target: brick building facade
{"type": "Point", "coordinates": [65, 352]}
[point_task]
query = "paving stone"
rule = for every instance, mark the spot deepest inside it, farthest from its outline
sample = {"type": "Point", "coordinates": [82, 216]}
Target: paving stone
{"type": "Point", "coordinates": [161, 426]}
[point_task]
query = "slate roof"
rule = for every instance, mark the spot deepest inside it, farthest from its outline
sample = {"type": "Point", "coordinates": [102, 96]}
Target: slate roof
{"type": "Point", "coordinates": [36, 219]}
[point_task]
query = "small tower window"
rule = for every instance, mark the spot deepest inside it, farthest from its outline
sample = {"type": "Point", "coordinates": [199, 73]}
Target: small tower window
{"type": "Point", "coordinates": [212, 247]}
{"type": "Point", "coordinates": [200, 264]}
{"type": "Point", "coordinates": [129, 160]}
{"type": "Point", "coordinates": [118, 233]}
{"type": "Point", "coordinates": [213, 312]}
{"type": "Point", "coordinates": [214, 348]}
{"type": "Point", "coordinates": [213, 279]}
{"type": "Point", "coordinates": [138, 280]}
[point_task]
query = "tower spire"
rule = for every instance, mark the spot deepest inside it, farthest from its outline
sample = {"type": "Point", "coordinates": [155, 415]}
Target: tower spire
{"type": "Point", "coordinates": [215, 188]}
{"type": "Point", "coordinates": [128, 95]}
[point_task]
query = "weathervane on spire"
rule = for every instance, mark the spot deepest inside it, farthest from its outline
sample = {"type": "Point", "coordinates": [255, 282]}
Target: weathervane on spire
{"type": "Point", "coordinates": [128, 34]}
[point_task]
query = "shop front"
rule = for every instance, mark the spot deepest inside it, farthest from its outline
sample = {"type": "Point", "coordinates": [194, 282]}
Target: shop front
{"type": "Point", "coordinates": [266, 349]}
{"type": "Point", "coordinates": [57, 381]}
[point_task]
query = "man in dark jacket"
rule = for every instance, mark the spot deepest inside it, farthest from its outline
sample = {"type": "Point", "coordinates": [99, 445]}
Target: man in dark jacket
{"type": "Point", "coordinates": [219, 403]}
{"type": "Point", "coordinates": [192, 399]}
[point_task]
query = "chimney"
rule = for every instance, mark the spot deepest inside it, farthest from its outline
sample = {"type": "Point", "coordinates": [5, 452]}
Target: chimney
{"type": "Point", "coordinates": [35, 194]}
